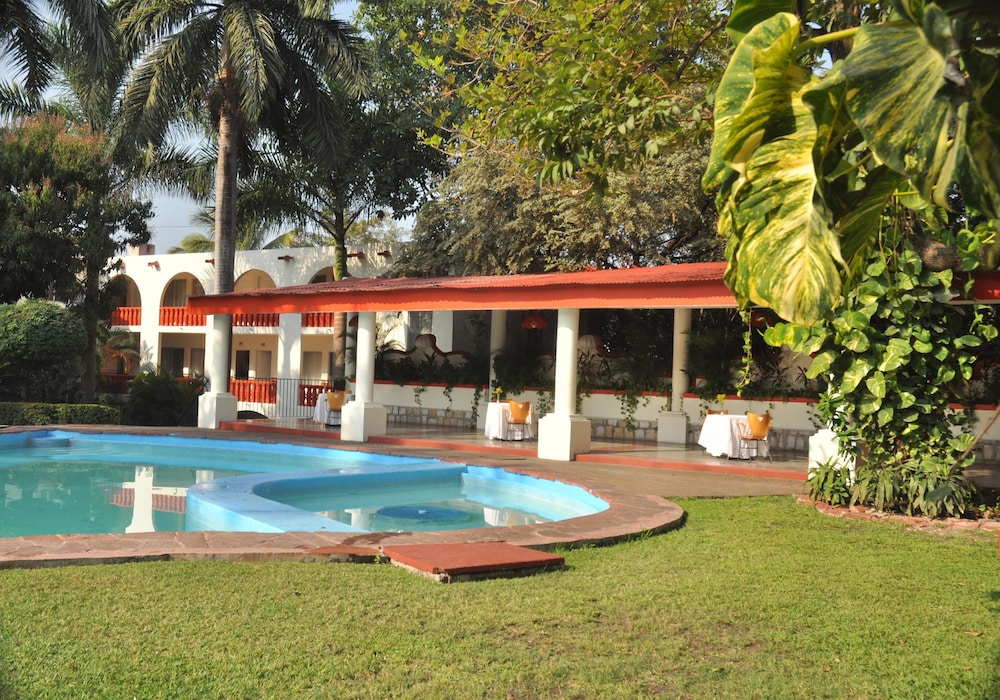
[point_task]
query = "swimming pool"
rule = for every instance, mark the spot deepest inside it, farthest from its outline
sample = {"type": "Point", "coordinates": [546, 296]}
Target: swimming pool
{"type": "Point", "coordinates": [63, 482]}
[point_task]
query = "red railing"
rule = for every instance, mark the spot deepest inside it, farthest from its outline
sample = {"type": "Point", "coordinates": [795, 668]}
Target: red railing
{"type": "Point", "coordinates": [254, 390]}
{"type": "Point", "coordinates": [255, 320]}
{"type": "Point", "coordinates": [308, 393]}
{"type": "Point", "coordinates": [180, 316]}
{"type": "Point", "coordinates": [126, 316]}
{"type": "Point", "coordinates": [318, 319]}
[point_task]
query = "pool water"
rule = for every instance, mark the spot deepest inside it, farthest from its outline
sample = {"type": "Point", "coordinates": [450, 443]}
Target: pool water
{"type": "Point", "coordinates": [60, 482]}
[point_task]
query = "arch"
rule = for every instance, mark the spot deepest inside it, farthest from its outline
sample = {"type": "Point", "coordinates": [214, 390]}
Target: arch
{"type": "Point", "coordinates": [180, 288]}
{"type": "Point", "coordinates": [252, 280]}
{"type": "Point", "coordinates": [124, 291]}
{"type": "Point", "coordinates": [324, 275]}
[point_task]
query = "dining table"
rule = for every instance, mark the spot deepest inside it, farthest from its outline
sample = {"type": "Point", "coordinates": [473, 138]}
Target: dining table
{"type": "Point", "coordinates": [720, 435]}
{"type": "Point", "coordinates": [497, 417]}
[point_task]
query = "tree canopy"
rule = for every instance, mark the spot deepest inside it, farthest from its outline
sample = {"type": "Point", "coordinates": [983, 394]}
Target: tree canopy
{"type": "Point", "coordinates": [578, 87]}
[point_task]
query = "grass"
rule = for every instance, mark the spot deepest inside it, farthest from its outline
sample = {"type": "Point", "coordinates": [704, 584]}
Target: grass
{"type": "Point", "coordinates": [753, 598]}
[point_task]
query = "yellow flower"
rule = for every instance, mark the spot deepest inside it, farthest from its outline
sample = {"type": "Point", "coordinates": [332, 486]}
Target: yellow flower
{"type": "Point", "coordinates": [721, 398]}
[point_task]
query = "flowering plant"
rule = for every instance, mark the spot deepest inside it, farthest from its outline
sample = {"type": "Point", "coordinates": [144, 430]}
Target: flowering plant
{"type": "Point", "coordinates": [721, 398]}
{"type": "Point", "coordinates": [496, 390]}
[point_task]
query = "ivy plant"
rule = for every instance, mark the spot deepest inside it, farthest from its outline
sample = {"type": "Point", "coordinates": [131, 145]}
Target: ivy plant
{"type": "Point", "coordinates": [898, 355]}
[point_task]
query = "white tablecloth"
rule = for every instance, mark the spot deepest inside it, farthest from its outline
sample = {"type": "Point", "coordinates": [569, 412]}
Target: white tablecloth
{"type": "Point", "coordinates": [322, 412]}
{"type": "Point", "coordinates": [497, 415]}
{"type": "Point", "coordinates": [720, 435]}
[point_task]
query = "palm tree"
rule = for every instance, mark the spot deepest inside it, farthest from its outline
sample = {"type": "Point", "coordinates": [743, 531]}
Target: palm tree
{"type": "Point", "coordinates": [244, 66]}
{"type": "Point", "coordinates": [26, 44]}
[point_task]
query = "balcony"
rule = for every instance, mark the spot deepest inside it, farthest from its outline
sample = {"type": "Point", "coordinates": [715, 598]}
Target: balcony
{"type": "Point", "coordinates": [180, 316]}
{"type": "Point", "coordinates": [127, 316]}
{"type": "Point", "coordinates": [254, 390]}
{"type": "Point", "coordinates": [318, 319]}
{"type": "Point", "coordinates": [255, 320]}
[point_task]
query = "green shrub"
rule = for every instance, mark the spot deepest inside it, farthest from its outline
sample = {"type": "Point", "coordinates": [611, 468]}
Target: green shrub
{"type": "Point", "coordinates": [15, 413]}
{"type": "Point", "coordinates": [160, 398]}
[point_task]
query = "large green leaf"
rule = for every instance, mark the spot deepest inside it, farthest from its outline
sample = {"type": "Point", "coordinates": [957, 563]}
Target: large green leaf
{"type": "Point", "coordinates": [783, 251]}
{"type": "Point", "coordinates": [734, 90]}
{"type": "Point", "coordinates": [897, 95]}
{"type": "Point", "coordinates": [747, 14]}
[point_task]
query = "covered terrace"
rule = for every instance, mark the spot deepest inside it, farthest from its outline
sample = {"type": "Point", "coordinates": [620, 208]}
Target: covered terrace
{"type": "Point", "coordinates": [562, 434]}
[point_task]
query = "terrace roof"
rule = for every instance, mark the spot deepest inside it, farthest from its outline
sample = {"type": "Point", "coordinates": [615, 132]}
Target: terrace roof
{"type": "Point", "coordinates": [688, 285]}
{"type": "Point", "coordinates": [685, 285]}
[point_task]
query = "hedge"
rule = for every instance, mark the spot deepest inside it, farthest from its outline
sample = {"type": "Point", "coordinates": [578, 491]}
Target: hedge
{"type": "Point", "coordinates": [14, 413]}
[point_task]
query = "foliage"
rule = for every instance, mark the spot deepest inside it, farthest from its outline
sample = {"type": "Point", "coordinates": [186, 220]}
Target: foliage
{"type": "Point", "coordinates": [67, 211]}
{"type": "Point", "coordinates": [58, 414]}
{"type": "Point", "coordinates": [582, 87]}
{"type": "Point", "coordinates": [806, 156]}
{"type": "Point", "coordinates": [160, 398]}
{"type": "Point", "coordinates": [26, 45]}
{"type": "Point", "coordinates": [40, 346]}
{"type": "Point", "coordinates": [488, 219]}
{"type": "Point", "coordinates": [62, 209]}
{"type": "Point", "coordinates": [900, 356]}
{"type": "Point", "coordinates": [830, 483]}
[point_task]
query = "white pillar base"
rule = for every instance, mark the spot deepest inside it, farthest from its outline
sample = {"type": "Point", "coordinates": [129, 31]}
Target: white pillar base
{"type": "Point", "coordinates": [823, 448]}
{"type": "Point", "coordinates": [672, 428]}
{"type": "Point", "coordinates": [360, 421]}
{"type": "Point", "coordinates": [563, 437]}
{"type": "Point", "coordinates": [214, 408]}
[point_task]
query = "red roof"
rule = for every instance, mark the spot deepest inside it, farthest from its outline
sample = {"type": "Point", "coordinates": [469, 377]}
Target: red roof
{"type": "Point", "coordinates": [691, 285]}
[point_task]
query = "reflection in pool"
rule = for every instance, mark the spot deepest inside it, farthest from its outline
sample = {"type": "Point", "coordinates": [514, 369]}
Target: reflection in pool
{"type": "Point", "coordinates": [60, 482]}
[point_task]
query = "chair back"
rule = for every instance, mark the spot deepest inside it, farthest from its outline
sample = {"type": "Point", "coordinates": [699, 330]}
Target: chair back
{"type": "Point", "coordinates": [519, 411]}
{"type": "Point", "coordinates": [711, 412]}
{"type": "Point", "coordinates": [758, 424]}
{"type": "Point", "coordinates": [335, 400]}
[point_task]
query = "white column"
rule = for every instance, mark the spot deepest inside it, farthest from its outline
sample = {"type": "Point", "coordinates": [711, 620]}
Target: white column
{"type": "Point", "coordinates": [361, 417]}
{"type": "Point", "coordinates": [289, 364]}
{"type": "Point", "coordinates": [217, 404]}
{"type": "Point", "coordinates": [671, 427]}
{"type": "Point", "coordinates": [443, 328]}
{"type": "Point", "coordinates": [561, 434]}
{"type": "Point", "coordinates": [498, 340]}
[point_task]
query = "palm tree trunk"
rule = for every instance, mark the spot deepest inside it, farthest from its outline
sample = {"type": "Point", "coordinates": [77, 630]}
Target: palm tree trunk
{"type": "Point", "coordinates": [225, 205]}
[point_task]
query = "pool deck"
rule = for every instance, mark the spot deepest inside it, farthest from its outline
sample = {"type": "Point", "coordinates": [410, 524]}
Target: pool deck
{"type": "Point", "coordinates": [637, 480]}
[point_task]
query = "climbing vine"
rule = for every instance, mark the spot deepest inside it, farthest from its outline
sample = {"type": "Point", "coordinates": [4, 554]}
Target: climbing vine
{"type": "Point", "coordinates": [898, 357]}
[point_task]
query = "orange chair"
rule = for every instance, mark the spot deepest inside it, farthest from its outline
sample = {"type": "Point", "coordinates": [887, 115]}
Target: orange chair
{"type": "Point", "coordinates": [753, 431]}
{"type": "Point", "coordinates": [711, 412]}
{"type": "Point", "coordinates": [335, 400]}
{"type": "Point", "coordinates": [517, 421]}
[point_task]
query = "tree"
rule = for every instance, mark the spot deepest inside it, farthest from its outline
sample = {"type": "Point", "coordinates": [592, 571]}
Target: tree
{"type": "Point", "coordinates": [244, 67]}
{"type": "Point", "coordinates": [65, 215]}
{"type": "Point", "coordinates": [41, 344]}
{"type": "Point", "coordinates": [582, 88]}
{"type": "Point", "coordinates": [488, 219]}
{"type": "Point", "coordinates": [807, 157]}
{"type": "Point", "coordinates": [25, 43]}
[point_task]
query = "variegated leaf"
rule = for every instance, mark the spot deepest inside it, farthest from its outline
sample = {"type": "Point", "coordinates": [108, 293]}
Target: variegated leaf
{"type": "Point", "coordinates": [783, 252]}
{"type": "Point", "coordinates": [896, 95]}
{"type": "Point", "coordinates": [734, 89]}
{"type": "Point", "coordinates": [747, 14]}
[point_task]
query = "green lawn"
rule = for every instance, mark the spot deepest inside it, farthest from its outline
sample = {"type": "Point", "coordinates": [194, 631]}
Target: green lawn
{"type": "Point", "coordinates": [752, 598]}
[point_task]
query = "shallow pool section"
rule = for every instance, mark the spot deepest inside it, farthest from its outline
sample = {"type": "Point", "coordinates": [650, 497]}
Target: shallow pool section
{"type": "Point", "coordinates": [63, 482]}
{"type": "Point", "coordinates": [431, 495]}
